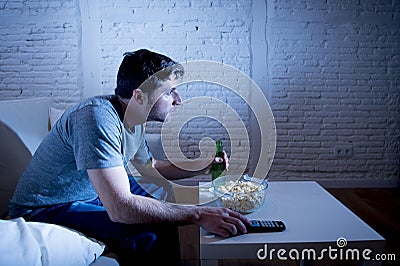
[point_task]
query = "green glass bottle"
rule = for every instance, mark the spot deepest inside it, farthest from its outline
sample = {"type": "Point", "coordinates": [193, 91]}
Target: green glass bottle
{"type": "Point", "coordinates": [218, 168]}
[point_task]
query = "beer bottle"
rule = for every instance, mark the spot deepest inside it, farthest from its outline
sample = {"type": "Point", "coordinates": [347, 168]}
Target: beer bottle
{"type": "Point", "coordinates": [218, 168]}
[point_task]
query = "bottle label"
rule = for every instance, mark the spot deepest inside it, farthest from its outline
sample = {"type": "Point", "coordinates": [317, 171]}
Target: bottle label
{"type": "Point", "coordinates": [218, 168]}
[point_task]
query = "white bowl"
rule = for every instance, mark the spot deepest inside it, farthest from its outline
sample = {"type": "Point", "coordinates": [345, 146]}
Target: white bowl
{"type": "Point", "coordinates": [245, 195]}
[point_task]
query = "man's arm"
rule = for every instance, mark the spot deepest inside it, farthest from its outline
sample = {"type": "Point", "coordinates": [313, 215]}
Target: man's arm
{"type": "Point", "coordinates": [112, 186]}
{"type": "Point", "coordinates": [172, 172]}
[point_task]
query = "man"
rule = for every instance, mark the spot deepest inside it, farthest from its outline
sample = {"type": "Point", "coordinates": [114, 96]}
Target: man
{"type": "Point", "coordinates": [78, 177]}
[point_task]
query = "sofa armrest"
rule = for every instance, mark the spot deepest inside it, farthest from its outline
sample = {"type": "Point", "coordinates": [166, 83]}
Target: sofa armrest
{"type": "Point", "coordinates": [23, 125]}
{"type": "Point", "coordinates": [155, 145]}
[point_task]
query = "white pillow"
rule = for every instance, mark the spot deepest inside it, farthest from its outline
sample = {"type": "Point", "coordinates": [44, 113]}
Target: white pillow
{"type": "Point", "coordinates": [28, 118]}
{"type": "Point", "coordinates": [33, 243]}
{"type": "Point", "coordinates": [54, 115]}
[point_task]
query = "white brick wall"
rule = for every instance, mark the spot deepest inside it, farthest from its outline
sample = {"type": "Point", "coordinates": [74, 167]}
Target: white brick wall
{"type": "Point", "coordinates": [331, 69]}
{"type": "Point", "coordinates": [40, 50]}
{"type": "Point", "coordinates": [185, 31]}
{"type": "Point", "coordinates": [335, 83]}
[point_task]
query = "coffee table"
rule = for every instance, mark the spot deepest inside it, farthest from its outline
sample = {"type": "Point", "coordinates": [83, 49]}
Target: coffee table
{"type": "Point", "coordinates": [316, 223]}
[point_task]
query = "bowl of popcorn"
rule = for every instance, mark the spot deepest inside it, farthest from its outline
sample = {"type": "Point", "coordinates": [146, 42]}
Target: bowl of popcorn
{"type": "Point", "coordinates": [244, 195]}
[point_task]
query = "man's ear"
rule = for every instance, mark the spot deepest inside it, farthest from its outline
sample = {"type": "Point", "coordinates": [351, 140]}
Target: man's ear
{"type": "Point", "coordinates": [140, 96]}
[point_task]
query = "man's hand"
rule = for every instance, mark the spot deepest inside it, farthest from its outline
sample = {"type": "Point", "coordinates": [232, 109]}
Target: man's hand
{"type": "Point", "coordinates": [222, 221]}
{"type": "Point", "coordinates": [226, 160]}
{"type": "Point", "coordinates": [218, 160]}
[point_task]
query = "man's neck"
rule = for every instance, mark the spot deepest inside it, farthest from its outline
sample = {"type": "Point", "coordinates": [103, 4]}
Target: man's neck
{"type": "Point", "coordinates": [133, 113]}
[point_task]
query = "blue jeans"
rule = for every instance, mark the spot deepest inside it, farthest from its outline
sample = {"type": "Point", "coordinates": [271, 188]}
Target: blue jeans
{"type": "Point", "coordinates": [150, 242]}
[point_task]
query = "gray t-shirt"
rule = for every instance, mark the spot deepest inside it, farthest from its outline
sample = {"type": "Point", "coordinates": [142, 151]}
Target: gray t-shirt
{"type": "Point", "coordinates": [90, 135]}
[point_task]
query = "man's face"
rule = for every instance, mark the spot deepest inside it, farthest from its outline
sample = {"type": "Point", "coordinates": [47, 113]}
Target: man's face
{"type": "Point", "coordinates": [163, 101]}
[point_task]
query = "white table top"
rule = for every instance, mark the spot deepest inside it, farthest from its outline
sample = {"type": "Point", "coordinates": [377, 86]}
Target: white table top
{"type": "Point", "coordinates": [313, 218]}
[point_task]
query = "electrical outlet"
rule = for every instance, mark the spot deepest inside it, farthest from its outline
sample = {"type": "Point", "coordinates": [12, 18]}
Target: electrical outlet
{"type": "Point", "coordinates": [343, 151]}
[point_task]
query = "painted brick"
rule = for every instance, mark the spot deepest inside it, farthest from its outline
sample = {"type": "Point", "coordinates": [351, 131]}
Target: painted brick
{"type": "Point", "coordinates": [333, 70]}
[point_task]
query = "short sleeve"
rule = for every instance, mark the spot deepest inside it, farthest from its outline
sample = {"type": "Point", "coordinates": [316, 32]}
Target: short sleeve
{"type": "Point", "coordinates": [143, 155]}
{"type": "Point", "coordinates": [95, 135]}
{"type": "Point", "coordinates": [135, 146]}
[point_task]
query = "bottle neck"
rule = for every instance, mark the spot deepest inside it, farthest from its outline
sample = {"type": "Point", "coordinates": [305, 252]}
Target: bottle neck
{"type": "Point", "coordinates": [218, 150]}
{"type": "Point", "coordinates": [218, 144]}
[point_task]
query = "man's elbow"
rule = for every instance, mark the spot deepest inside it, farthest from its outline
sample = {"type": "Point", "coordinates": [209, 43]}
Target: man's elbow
{"type": "Point", "coordinates": [119, 213]}
{"type": "Point", "coordinates": [116, 218]}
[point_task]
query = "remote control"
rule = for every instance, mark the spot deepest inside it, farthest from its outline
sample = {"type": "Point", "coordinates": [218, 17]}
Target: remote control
{"type": "Point", "coordinates": [264, 226]}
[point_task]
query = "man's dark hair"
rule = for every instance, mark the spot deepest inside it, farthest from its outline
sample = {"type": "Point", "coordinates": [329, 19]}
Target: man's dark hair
{"type": "Point", "coordinates": [144, 65]}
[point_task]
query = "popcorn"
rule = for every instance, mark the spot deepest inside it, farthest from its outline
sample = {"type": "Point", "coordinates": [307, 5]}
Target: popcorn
{"type": "Point", "coordinates": [242, 196]}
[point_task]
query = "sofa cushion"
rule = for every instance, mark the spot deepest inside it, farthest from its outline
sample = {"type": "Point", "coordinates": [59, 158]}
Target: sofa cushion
{"type": "Point", "coordinates": [155, 146]}
{"type": "Point", "coordinates": [23, 125]}
{"type": "Point", "coordinates": [14, 157]}
{"type": "Point", "coordinates": [54, 115]}
{"type": "Point", "coordinates": [33, 243]}
{"type": "Point", "coordinates": [28, 118]}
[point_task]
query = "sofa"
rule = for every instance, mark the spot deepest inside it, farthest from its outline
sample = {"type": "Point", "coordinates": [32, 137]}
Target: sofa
{"type": "Point", "coordinates": [23, 124]}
